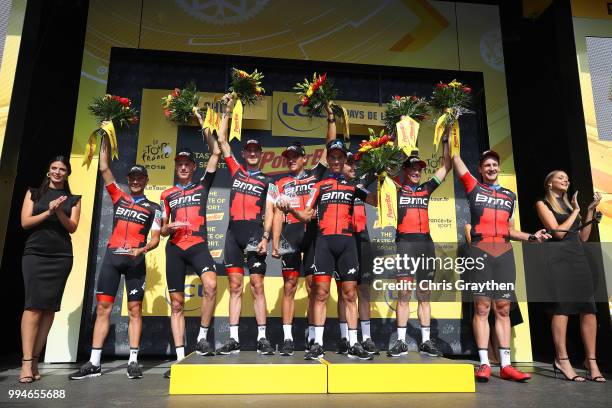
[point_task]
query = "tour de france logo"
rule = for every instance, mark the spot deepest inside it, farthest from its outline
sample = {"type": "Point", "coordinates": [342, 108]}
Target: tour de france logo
{"type": "Point", "coordinates": [222, 12]}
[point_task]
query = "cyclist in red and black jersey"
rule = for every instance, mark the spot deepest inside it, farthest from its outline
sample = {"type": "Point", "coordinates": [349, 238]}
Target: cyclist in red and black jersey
{"type": "Point", "coordinates": [413, 238]}
{"type": "Point", "coordinates": [491, 209]}
{"type": "Point", "coordinates": [134, 216]}
{"type": "Point", "coordinates": [251, 214]}
{"type": "Point", "coordinates": [333, 199]}
{"type": "Point", "coordinates": [362, 242]}
{"type": "Point", "coordinates": [298, 237]}
{"type": "Point", "coordinates": [184, 220]}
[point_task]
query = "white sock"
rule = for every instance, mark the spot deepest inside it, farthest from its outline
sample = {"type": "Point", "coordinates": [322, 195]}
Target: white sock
{"type": "Point", "coordinates": [365, 330]}
{"type": "Point", "coordinates": [96, 353]}
{"type": "Point", "coordinates": [401, 333]}
{"type": "Point", "coordinates": [484, 356]}
{"type": "Point", "coordinates": [425, 332]}
{"type": "Point", "coordinates": [180, 353]}
{"type": "Point", "coordinates": [352, 337]}
{"type": "Point", "coordinates": [261, 332]}
{"type": "Point", "coordinates": [504, 357]}
{"type": "Point", "coordinates": [311, 333]}
{"type": "Point", "coordinates": [343, 330]}
{"type": "Point", "coordinates": [287, 332]}
{"type": "Point", "coordinates": [203, 333]}
{"type": "Point", "coordinates": [234, 331]}
{"type": "Point", "coordinates": [318, 334]}
{"type": "Point", "coordinates": [133, 355]}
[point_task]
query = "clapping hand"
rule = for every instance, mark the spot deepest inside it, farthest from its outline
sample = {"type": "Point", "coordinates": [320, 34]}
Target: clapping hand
{"type": "Point", "coordinates": [595, 202]}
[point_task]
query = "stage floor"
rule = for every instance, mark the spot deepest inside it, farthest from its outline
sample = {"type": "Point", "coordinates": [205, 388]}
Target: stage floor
{"type": "Point", "coordinates": [114, 389]}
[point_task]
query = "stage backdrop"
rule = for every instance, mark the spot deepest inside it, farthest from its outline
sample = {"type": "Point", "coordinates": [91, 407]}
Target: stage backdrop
{"type": "Point", "coordinates": [409, 33]}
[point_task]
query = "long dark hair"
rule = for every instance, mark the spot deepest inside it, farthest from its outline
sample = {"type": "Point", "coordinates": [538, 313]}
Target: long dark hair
{"type": "Point", "coordinates": [44, 186]}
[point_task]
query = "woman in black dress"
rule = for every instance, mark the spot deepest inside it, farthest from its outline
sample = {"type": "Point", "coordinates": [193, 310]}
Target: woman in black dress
{"type": "Point", "coordinates": [50, 213]}
{"type": "Point", "coordinates": [570, 277]}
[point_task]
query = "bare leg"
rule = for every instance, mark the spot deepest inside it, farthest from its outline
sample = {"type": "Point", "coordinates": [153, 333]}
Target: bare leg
{"type": "Point", "coordinates": [235, 302]}
{"type": "Point", "coordinates": [288, 302]}
{"type": "Point", "coordinates": [480, 323]}
{"type": "Point", "coordinates": [30, 324]}
{"type": "Point", "coordinates": [558, 327]}
{"type": "Point", "coordinates": [135, 326]}
{"type": "Point", "coordinates": [41, 338]}
{"type": "Point", "coordinates": [363, 296]}
{"type": "Point", "coordinates": [259, 298]}
{"type": "Point", "coordinates": [502, 322]}
{"type": "Point", "coordinates": [177, 318]}
{"type": "Point", "coordinates": [349, 295]}
{"type": "Point", "coordinates": [209, 281]}
{"type": "Point", "coordinates": [588, 329]}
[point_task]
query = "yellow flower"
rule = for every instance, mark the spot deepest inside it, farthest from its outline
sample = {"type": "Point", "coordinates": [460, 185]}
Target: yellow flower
{"type": "Point", "coordinates": [309, 92]}
{"type": "Point", "coordinates": [365, 148]}
{"type": "Point", "coordinates": [455, 84]}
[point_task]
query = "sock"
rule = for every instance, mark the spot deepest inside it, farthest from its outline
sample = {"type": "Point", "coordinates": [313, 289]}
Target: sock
{"type": "Point", "coordinates": [425, 331]}
{"type": "Point", "coordinates": [133, 355]}
{"type": "Point", "coordinates": [352, 337]}
{"type": "Point", "coordinates": [365, 330]}
{"type": "Point", "coordinates": [203, 333]}
{"type": "Point", "coordinates": [96, 353]}
{"type": "Point", "coordinates": [234, 331]}
{"type": "Point", "coordinates": [311, 333]}
{"type": "Point", "coordinates": [484, 356]}
{"type": "Point", "coordinates": [318, 334]}
{"type": "Point", "coordinates": [180, 353]}
{"type": "Point", "coordinates": [261, 332]}
{"type": "Point", "coordinates": [343, 330]}
{"type": "Point", "coordinates": [504, 356]}
{"type": "Point", "coordinates": [287, 332]}
{"type": "Point", "coordinates": [401, 333]}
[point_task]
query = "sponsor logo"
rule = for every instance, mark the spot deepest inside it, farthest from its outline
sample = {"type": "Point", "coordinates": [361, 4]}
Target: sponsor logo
{"type": "Point", "coordinates": [337, 195]}
{"type": "Point", "coordinates": [242, 186]}
{"type": "Point", "coordinates": [480, 198]}
{"type": "Point", "coordinates": [192, 198]}
{"type": "Point", "coordinates": [156, 151]}
{"type": "Point", "coordinates": [421, 201]}
{"type": "Point", "coordinates": [128, 213]}
{"type": "Point", "coordinates": [294, 117]}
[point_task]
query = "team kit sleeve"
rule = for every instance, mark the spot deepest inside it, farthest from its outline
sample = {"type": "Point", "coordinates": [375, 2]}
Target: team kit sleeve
{"type": "Point", "coordinates": [233, 165]}
{"type": "Point", "coordinates": [318, 171]}
{"type": "Point", "coordinates": [432, 184]}
{"type": "Point", "coordinates": [165, 208]}
{"type": "Point", "coordinates": [114, 191]}
{"type": "Point", "coordinates": [469, 182]}
{"type": "Point", "coordinates": [361, 193]}
{"type": "Point", "coordinates": [207, 179]}
{"type": "Point", "coordinates": [314, 196]}
{"type": "Point", "coordinates": [157, 219]}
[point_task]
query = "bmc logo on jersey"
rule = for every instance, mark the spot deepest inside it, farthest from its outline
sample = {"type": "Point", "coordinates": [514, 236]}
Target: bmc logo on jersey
{"type": "Point", "coordinates": [424, 201]}
{"type": "Point", "coordinates": [241, 185]}
{"type": "Point", "coordinates": [298, 189]}
{"type": "Point", "coordinates": [193, 198]}
{"type": "Point", "coordinates": [127, 213]}
{"type": "Point", "coordinates": [494, 201]}
{"type": "Point", "coordinates": [337, 195]}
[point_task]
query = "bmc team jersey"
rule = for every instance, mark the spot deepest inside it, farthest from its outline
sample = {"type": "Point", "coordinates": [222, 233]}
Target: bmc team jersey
{"type": "Point", "coordinates": [248, 193]}
{"type": "Point", "coordinates": [133, 217]}
{"type": "Point", "coordinates": [334, 198]}
{"type": "Point", "coordinates": [298, 188]}
{"type": "Point", "coordinates": [412, 207]}
{"type": "Point", "coordinates": [187, 204]}
{"type": "Point", "coordinates": [491, 209]}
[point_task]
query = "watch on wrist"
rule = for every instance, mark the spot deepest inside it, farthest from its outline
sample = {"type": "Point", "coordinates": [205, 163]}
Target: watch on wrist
{"type": "Point", "coordinates": [266, 236]}
{"type": "Point", "coordinates": [532, 238]}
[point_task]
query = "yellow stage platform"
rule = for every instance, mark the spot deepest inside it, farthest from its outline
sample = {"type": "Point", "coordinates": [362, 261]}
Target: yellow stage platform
{"type": "Point", "coordinates": [250, 373]}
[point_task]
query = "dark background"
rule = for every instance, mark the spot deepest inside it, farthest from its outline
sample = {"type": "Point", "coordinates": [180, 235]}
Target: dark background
{"type": "Point", "coordinates": [52, 45]}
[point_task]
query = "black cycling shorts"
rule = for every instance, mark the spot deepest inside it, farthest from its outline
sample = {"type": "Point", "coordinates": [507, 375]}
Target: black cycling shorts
{"type": "Point", "coordinates": [301, 237]}
{"type": "Point", "coordinates": [498, 269]}
{"type": "Point", "coordinates": [421, 248]}
{"type": "Point", "coordinates": [244, 236]}
{"type": "Point", "coordinates": [336, 253]}
{"type": "Point", "coordinates": [364, 256]}
{"type": "Point", "coordinates": [113, 266]}
{"type": "Point", "coordinates": [197, 256]}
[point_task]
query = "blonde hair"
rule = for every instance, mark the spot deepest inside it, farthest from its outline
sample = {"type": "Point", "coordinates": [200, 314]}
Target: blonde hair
{"type": "Point", "coordinates": [550, 197]}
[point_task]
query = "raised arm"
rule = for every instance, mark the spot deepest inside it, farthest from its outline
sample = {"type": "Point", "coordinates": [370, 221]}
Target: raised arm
{"type": "Point", "coordinates": [331, 132]}
{"type": "Point", "coordinates": [214, 149]}
{"type": "Point", "coordinates": [223, 133]}
{"type": "Point", "coordinates": [459, 166]}
{"type": "Point", "coordinates": [446, 166]}
{"type": "Point", "coordinates": [104, 162]}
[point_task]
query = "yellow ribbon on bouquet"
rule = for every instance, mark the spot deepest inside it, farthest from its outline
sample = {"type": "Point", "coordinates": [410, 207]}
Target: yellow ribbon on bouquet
{"type": "Point", "coordinates": [387, 201]}
{"type": "Point", "coordinates": [407, 131]}
{"type": "Point", "coordinates": [345, 124]}
{"type": "Point", "coordinates": [90, 147]}
{"type": "Point", "coordinates": [236, 129]}
{"type": "Point", "coordinates": [454, 136]}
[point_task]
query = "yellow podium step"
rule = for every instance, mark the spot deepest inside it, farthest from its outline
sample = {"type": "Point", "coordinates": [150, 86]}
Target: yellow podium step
{"type": "Point", "coordinates": [411, 373]}
{"type": "Point", "coordinates": [248, 373]}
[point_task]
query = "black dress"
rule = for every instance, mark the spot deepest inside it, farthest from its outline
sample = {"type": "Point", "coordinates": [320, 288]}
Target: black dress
{"type": "Point", "coordinates": [47, 256]}
{"type": "Point", "coordinates": [569, 275]}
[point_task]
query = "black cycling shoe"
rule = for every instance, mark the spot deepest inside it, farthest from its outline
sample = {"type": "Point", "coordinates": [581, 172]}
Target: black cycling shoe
{"type": "Point", "coordinates": [167, 374]}
{"type": "Point", "coordinates": [231, 347]}
{"type": "Point", "coordinates": [287, 348]}
{"type": "Point", "coordinates": [399, 348]}
{"type": "Point", "coordinates": [86, 371]}
{"type": "Point", "coordinates": [342, 346]}
{"type": "Point", "coordinates": [204, 348]}
{"type": "Point", "coordinates": [264, 347]}
{"type": "Point", "coordinates": [369, 346]}
{"type": "Point", "coordinates": [308, 344]}
{"type": "Point", "coordinates": [314, 353]}
{"type": "Point", "coordinates": [358, 352]}
{"type": "Point", "coordinates": [133, 370]}
{"type": "Point", "coordinates": [430, 348]}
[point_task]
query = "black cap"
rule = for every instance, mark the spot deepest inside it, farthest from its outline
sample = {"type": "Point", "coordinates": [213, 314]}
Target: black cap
{"type": "Point", "coordinates": [350, 158]}
{"type": "Point", "coordinates": [252, 142]}
{"type": "Point", "coordinates": [487, 154]}
{"type": "Point", "coordinates": [295, 147]}
{"type": "Point", "coordinates": [138, 169]}
{"type": "Point", "coordinates": [414, 159]}
{"type": "Point", "coordinates": [185, 152]}
{"type": "Point", "coordinates": [336, 145]}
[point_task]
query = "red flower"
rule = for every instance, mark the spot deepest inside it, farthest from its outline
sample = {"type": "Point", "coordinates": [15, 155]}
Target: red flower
{"type": "Point", "coordinates": [385, 139]}
{"type": "Point", "coordinates": [413, 98]}
{"type": "Point", "coordinates": [176, 92]}
{"type": "Point", "coordinates": [397, 97]}
{"type": "Point", "coordinates": [167, 113]}
{"type": "Point", "coordinates": [134, 120]}
{"type": "Point", "coordinates": [440, 85]}
{"type": "Point", "coordinates": [357, 156]}
{"type": "Point", "coordinates": [124, 101]}
{"type": "Point", "coordinates": [315, 86]}
{"type": "Point", "coordinates": [305, 101]}
{"type": "Point", "coordinates": [467, 89]}
{"type": "Point", "coordinates": [322, 79]}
